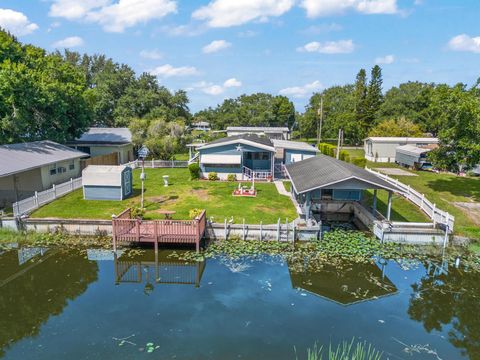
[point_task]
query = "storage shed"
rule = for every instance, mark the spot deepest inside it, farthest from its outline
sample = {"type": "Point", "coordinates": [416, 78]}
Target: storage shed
{"type": "Point", "coordinates": [413, 156]}
{"type": "Point", "coordinates": [105, 182]}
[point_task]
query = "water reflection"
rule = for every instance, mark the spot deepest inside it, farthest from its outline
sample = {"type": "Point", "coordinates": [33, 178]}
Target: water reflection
{"type": "Point", "coordinates": [35, 284]}
{"type": "Point", "coordinates": [154, 268]}
{"type": "Point", "coordinates": [345, 283]}
{"type": "Point", "coordinates": [450, 299]}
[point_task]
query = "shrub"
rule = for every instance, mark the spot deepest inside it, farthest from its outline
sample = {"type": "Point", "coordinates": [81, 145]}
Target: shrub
{"type": "Point", "coordinates": [344, 156]}
{"type": "Point", "coordinates": [360, 162]}
{"type": "Point", "coordinates": [327, 149]}
{"type": "Point", "coordinates": [194, 171]}
{"type": "Point", "coordinates": [137, 212]}
{"type": "Point", "coordinates": [212, 176]}
{"type": "Point", "coordinates": [231, 177]}
{"type": "Point", "coordinates": [194, 213]}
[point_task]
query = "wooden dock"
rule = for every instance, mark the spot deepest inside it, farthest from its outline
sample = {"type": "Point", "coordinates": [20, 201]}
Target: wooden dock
{"type": "Point", "coordinates": [128, 230]}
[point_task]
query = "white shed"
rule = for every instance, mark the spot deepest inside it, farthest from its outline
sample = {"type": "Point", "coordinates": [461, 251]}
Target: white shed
{"type": "Point", "coordinates": [105, 182]}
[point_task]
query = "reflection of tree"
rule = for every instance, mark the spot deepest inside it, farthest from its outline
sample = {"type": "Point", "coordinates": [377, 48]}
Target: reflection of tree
{"type": "Point", "coordinates": [30, 299]}
{"type": "Point", "coordinates": [453, 299]}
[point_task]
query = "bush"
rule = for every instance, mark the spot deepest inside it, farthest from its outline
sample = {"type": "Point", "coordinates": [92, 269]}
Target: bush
{"type": "Point", "coordinates": [344, 156]}
{"type": "Point", "coordinates": [137, 212]}
{"type": "Point", "coordinates": [360, 162]}
{"type": "Point", "coordinates": [231, 177]}
{"type": "Point", "coordinates": [212, 176]}
{"type": "Point", "coordinates": [194, 213]}
{"type": "Point", "coordinates": [327, 149]}
{"type": "Point", "coordinates": [194, 171]}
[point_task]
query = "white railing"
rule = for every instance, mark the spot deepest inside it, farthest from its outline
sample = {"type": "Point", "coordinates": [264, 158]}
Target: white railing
{"type": "Point", "coordinates": [438, 216]}
{"type": "Point", "coordinates": [44, 197]}
{"type": "Point", "coordinates": [253, 174]}
{"type": "Point", "coordinates": [153, 164]}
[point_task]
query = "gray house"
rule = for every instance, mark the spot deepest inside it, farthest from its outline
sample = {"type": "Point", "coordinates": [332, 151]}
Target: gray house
{"type": "Point", "coordinates": [105, 182]}
{"type": "Point", "coordinates": [35, 166]}
{"type": "Point", "coordinates": [102, 141]}
{"type": "Point", "coordinates": [413, 157]}
{"type": "Point", "coordinates": [323, 178]}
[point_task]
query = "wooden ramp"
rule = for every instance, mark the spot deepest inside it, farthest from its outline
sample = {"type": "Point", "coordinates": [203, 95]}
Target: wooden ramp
{"type": "Point", "coordinates": [128, 230]}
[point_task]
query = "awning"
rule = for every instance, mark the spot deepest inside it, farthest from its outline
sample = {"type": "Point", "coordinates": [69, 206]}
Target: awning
{"type": "Point", "coordinates": [220, 159]}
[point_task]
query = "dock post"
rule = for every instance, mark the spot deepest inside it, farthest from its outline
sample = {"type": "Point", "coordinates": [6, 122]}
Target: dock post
{"type": "Point", "coordinates": [114, 235]}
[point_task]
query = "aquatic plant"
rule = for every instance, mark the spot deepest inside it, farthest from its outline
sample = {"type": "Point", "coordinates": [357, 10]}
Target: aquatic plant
{"type": "Point", "coordinates": [346, 350]}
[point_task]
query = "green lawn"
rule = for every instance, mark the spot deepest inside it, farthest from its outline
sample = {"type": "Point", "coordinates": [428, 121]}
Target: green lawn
{"type": "Point", "coordinates": [444, 190]}
{"type": "Point", "coordinates": [181, 196]}
{"type": "Point", "coordinates": [356, 153]}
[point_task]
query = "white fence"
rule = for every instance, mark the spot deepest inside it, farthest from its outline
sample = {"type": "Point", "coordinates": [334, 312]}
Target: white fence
{"type": "Point", "coordinates": [44, 197]}
{"type": "Point", "coordinates": [438, 216]}
{"type": "Point", "coordinates": [152, 164]}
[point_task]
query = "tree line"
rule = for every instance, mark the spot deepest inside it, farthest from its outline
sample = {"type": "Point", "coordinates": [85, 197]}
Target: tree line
{"type": "Point", "coordinates": [58, 95]}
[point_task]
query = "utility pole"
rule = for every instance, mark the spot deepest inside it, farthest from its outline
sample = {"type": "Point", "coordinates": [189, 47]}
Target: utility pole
{"type": "Point", "coordinates": [320, 123]}
{"type": "Point", "coordinates": [339, 142]}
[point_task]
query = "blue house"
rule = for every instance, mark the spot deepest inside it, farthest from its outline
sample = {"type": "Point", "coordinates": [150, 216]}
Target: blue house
{"type": "Point", "coordinates": [250, 156]}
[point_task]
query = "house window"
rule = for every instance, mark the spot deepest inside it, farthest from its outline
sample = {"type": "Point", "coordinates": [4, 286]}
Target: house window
{"type": "Point", "coordinates": [61, 169]}
{"type": "Point", "coordinates": [53, 169]}
{"type": "Point", "coordinates": [248, 156]}
{"type": "Point", "coordinates": [71, 166]}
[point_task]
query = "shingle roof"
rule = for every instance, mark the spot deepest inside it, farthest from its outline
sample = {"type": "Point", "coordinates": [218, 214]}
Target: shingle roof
{"type": "Point", "coordinates": [241, 138]}
{"type": "Point", "coordinates": [96, 135]}
{"type": "Point", "coordinates": [321, 171]}
{"type": "Point", "coordinates": [21, 157]}
{"type": "Point", "coordinates": [258, 128]}
{"type": "Point", "coordinates": [294, 145]}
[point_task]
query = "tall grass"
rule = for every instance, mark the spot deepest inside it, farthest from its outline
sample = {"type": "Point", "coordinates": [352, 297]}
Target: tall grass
{"type": "Point", "coordinates": [347, 350]}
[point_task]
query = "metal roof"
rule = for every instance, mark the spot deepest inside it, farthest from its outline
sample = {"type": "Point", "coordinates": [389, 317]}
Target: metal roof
{"type": "Point", "coordinates": [412, 150]}
{"type": "Point", "coordinates": [99, 136]}
{"type": "Point", "coordinates": [294, 145]}
{"type": "Point", "coordinates": [107, 175]}
{"type": "Point", "coordinates": [16, 158]}
{"type": "Point", "coordinates": [247, 139]}
{"type": "Point", "coordinates": [429, 140]}
{"type": "Point", "coordinates": [323, 171]}
{"type": "Point", "coordinates": [258, 128]}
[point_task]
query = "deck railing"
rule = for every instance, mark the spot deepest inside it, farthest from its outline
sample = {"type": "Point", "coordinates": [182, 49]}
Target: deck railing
{"type": "Point", "coordinates": [255, 174]}
{"type": "Point", "coordinates": [125, 229]}
{"type": "Point", "coordinates": [44, 197]}
{"type": "Point", "coordinates": [430, 209]}
{"type": "Point", "coordinates": [157, 164]}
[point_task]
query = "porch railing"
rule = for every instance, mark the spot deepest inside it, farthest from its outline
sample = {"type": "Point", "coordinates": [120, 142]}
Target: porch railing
{"type": "Point", "coordinates": [257, 175]}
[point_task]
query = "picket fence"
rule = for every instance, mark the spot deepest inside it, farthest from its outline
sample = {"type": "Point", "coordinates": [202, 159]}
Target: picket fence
{"type": "Point", "coordinates": [152, 164]}
{"type": "Point", "coordinates": [438, 216]}
{"type": "Point", "coordinates": [44, 197]}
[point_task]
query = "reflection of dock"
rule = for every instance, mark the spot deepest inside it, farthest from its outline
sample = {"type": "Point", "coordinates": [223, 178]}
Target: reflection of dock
{"type": "Point", "coordinates": [350, 284]}
{"type": "Point", "coordinates": [160, 270]}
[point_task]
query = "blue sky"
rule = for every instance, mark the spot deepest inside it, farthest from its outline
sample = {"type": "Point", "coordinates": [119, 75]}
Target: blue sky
{"type": "Point", "coordinates": [222, 48]}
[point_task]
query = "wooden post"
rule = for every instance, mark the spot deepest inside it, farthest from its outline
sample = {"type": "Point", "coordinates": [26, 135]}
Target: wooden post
{"type": "Point", "coordinates": [389, 208]}
{"type": "Point", "coordinates": [225, 229]}
{"type": "Point", "coordinates": [243, 228]}
{"type": "Point", "coordinates": [286, 224]}
{"type": "Point", "coordinates": [114, 235]}
{"type": "Point", "coordinates": [261, 230]}
{"type": "Point", "coordinates": [293, 229]}
{"type": "Point", "coordinates": [278, 230]}
{"type": "Point", "coordinates": [137, 228]}
{"type": "Point", "coordinates": [434, 218]}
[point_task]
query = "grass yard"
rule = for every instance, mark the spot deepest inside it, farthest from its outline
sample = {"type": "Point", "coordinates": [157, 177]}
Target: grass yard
{"type": "Point", "coordinates": [355, 153]}
{"type": "Point", "coordinates": [445, 190]}
{"type": "Point", "coordinates": [181, 196]}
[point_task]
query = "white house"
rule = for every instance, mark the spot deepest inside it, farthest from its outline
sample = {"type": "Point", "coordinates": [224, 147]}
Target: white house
{"type": "Point", "coordinates": [279, 133]}
{"type": "Point", "coordinates": [383, 149]}
{"type": "Point", "coordinates": [201, 126]}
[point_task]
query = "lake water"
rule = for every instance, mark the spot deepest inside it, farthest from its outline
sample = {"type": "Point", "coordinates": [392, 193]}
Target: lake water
{"type": "Point", "coordinates": [80, 305]}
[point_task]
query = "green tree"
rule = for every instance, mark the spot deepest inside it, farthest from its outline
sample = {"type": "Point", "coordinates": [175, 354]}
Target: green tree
{"type": "Point", "coordinates": [396, 128]}
{"type": "Point", "coordinates": [360, 100]}
{"type": "Point", "coordinates": [374, 97]}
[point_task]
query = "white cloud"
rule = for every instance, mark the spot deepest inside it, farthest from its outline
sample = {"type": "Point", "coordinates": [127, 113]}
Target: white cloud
{"type": "Point", "coordinates": [69, 42]}
{"type": "Point", "coordinates": [247, 34]}
{"type": "Point", "coordinates": [301, 91]}
{"type": "Point", "coordinates": [168, 70]}
{"type": "Point", "coordinates": [226, 13]}
{"type": "Point", "coordinates": [113, 16]}
{"type": "Point", "coordinates": [215, 46]}
{"type": "Point", "coordinates": [388, 59]}
{"type": "Point", "coordinates": [151, 54]}
{"type": "Point", "coordinates": [213, 90]}
{"type": "Point", "coordinates": [465, 42]}
{"type": "Point", "coordinates": [316, 8]}
{"type": "Point", "coordinates": [16, 22]}
{"type": "Point", "coordinates": [329, 47]}
{"type": "Point", "coordinates": [321, 29]}
{"type": "Point", "coordinates": [232, 82]}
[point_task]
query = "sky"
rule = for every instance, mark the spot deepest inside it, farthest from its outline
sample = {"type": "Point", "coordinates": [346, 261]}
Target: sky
{"type": "Point", "coordinates": [218, 49]}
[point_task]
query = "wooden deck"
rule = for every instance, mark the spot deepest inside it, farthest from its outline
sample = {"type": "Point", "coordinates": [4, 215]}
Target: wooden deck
{"type": "Point", "coordinates": [128, 230]}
